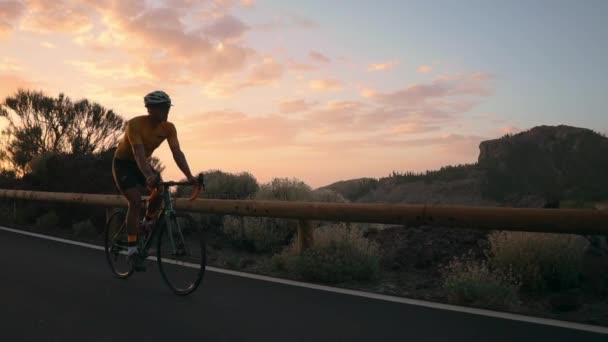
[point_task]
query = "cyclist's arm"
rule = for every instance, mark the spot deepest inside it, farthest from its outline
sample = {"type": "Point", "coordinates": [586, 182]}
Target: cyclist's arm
{"type": "Point", "coordinates": [139, 151]}
{"type": "Point", "coordinates": [178, 155]}
{"type": "Point", "coordinates": [140, 157]}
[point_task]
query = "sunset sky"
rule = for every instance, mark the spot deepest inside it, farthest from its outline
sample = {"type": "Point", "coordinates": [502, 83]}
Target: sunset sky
{"type": "Point", "coordinates": [320, 90]}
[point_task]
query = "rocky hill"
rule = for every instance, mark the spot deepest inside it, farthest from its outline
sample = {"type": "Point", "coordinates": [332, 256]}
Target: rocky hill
{"type": "Point", "coordinates": [530, 169]}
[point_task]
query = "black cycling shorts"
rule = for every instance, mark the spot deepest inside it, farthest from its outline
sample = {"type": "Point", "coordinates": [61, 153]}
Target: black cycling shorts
{"type": "Point", "coordinates": [127, 174]}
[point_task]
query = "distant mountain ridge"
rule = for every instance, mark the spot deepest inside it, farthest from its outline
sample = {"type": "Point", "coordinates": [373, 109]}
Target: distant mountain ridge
{"type": "Point", "coordinates": [527, 169]}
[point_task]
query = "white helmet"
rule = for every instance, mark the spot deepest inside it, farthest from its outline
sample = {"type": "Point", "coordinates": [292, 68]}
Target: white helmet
{"type": "Point", "coordinates": [157, 97]}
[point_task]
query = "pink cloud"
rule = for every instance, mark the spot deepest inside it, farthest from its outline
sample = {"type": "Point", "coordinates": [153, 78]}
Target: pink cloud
{"type": "Point", "coordinates": [10, 13]}
{"type": "Point", "coordinates": [160, 40]}
{"type": "Point", "coordinates": [477, 84]}
{"type": "Point", "coordinates": [226, 27]}
{"type": "Point", "coordinates": [319, 57]}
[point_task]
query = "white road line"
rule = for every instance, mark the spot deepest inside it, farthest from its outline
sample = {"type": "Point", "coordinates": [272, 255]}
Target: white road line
{"type": "Point", "coordinates": [416, 302]}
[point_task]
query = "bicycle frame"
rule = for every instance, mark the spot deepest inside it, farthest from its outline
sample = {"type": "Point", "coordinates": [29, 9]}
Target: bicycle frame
{"type": "Point", "coordinates": [168, 216]}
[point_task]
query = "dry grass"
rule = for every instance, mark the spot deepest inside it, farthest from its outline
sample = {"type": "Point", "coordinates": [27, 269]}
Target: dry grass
{"type": "Point", "coordinates": [260, 234]}
{"type": "Point", "coordinates": [339, 254]}
{"type": "Point", "coordinates": [471, 282]}
{"type": "Point", "coordinates": [542, 261]}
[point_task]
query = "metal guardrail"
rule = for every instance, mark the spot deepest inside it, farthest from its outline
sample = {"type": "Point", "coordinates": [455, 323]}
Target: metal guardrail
{"type": "Point", "coordinates": [574, 221]}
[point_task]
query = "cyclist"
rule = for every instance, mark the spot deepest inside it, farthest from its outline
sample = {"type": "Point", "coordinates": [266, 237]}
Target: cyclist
{"type": "Point", "coordinates": [131, 168]}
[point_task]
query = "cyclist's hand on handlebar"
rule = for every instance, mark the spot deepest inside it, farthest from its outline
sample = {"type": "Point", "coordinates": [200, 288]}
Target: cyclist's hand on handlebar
{"type": "Point", "coordinates": [193, 180]}
{"type": "Point", "coordinates": [198, 184]}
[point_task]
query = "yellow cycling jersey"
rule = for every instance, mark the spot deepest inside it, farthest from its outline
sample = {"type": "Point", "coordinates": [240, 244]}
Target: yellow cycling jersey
{"type": "Point", "coordinates": [140, 130]}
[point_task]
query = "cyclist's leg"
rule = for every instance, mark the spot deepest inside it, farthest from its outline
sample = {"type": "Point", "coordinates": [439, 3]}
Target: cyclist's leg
{"type": "Point", "coordinates": [129, 181]}
{"type": "Point", "coordinates": [133, 196]}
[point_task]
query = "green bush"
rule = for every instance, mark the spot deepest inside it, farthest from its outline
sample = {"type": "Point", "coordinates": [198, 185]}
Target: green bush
{"type": "Point", "coordinates": [85, 227]}
{"type": "Point", "coordinates": [540, 260]}
{"type": "Point", "coordinates": [470, 282]}
{"type": "Point", "coordinates": [339, 254]}
{"type": "Point", "coordinates": [48, 220]}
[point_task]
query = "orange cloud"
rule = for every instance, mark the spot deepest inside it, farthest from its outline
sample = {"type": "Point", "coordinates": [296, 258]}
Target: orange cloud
{"type": "Point", "coordinates": [424, 69]}
{"type": "Point", "coordinates": [169, 49]}
{"type": "Point", "coordinates": [10, 12]}
{"type": "Point", "coordinates": [327, 84]}
{"type": "Point", "coordinates": [319, 57]}
{"type": "Point", "coordinates": [382, 66]}
{"type": "Point", "coordinates": [57, 16]}
{"type": "Point", "coordinates": [368, 93]}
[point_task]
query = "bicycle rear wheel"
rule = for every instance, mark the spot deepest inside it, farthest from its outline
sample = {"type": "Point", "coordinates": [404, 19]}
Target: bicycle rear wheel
{"type": "Point", "coordinates": [116, 238]}
{"type": "Point", "coordinates": [181, 253]}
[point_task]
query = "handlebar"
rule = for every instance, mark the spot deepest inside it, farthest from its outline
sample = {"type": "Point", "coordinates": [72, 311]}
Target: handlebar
{"type": "Point", "coordinates": [199, 186]}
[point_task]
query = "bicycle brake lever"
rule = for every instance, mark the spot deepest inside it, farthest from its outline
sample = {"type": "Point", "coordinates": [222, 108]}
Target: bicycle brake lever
{"type": "Point", "coordinates": [196, 193]}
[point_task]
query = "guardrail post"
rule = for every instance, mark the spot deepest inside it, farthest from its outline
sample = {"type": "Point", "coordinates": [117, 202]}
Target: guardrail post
{"type": "Point", "coordinates": [305, 235]}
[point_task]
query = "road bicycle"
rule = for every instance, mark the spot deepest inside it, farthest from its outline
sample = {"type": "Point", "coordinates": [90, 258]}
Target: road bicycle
{"type": "Point", "coordinates": [180, 243]}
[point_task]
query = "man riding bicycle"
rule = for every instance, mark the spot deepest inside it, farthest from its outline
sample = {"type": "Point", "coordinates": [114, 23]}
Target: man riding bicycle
{"type": "Point", "coordinates": [131, 168]}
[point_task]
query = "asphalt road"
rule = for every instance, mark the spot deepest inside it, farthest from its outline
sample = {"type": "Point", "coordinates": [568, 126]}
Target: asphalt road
{"type": "Point", "coordinates": [51, 291]}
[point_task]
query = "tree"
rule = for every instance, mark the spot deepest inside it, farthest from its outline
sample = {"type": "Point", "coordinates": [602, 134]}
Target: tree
{"type": "Point", "coordinates": [39, 124]}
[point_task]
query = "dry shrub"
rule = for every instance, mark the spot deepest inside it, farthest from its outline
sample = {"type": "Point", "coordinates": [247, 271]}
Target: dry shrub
{"type": "Point", "coordinates": [339, 254]}
{"type": "Point", "coordinates": [260, 234]}
{"type": "Point", "coordinates": [540, 260]}
{"type": "Point", "coordinates": [471, 282]}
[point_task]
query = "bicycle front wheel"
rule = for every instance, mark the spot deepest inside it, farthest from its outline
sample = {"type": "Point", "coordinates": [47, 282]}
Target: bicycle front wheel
{"type": "Point", "coordinates": [181, 253]}
{"type": "Point", "coordinates": [116, 244]}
